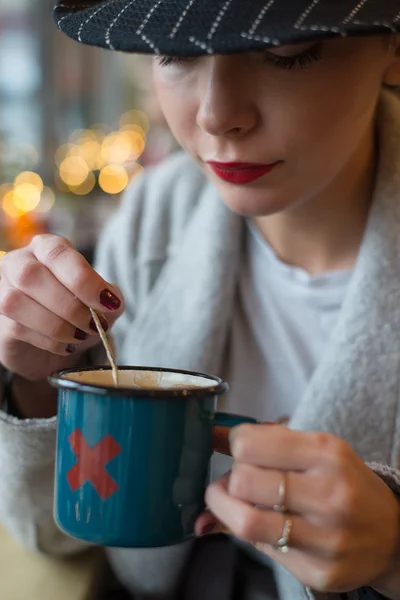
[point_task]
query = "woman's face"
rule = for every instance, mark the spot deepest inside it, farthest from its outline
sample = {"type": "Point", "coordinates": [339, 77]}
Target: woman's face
{"type": "Point", "coordinates": [298, 114]}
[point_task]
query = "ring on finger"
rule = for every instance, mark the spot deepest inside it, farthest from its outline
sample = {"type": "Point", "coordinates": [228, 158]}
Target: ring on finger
{"type": "Point", "coordinates": [281, 505]}
{"type": "Point", "coordinates": [283, 544]}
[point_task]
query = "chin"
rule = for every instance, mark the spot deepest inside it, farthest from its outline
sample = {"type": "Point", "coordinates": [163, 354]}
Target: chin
{"type": "Point", "coordinates": [248, 204]}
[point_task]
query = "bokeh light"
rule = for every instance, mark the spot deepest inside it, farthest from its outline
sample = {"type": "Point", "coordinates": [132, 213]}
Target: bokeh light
{"type": "Point", "coordinates": [113, 179]}
{"type": "Point", "coordinates": [101, 130]}
{"type": "Point", "coordinates": [9, 207]}
{"type": "Point", "coordinates": [84, 188]}
{"type": "Point", "coordinates": [63, 152]}
{"type": "Point", "coordinates": [47, 201]}
{"type": "Point", "coordinates": [116, 148]}
{"type": "Point", "coordinates": [137, 143]}
{"type": "Point", "coordinates": [59, 183]}
{"type": "Point", "coordinates": [4, 188]}
{"type": "Point", "coordinates": [82, 135]}
{"type": "Point", "coordinates": [96, 156]}
{"type": "Point", "coordinates": [31, 178]}
{"type": "Point", "coordinates": [134, 127]}
{"type": "Point", "coordinates": [135, 117]}
{"type": "Point", "coordinates": [90, 152]}
{"type": "Point", "coordinates": [26, 197]}
{"type": "Point", "coordinates": [74, 170]}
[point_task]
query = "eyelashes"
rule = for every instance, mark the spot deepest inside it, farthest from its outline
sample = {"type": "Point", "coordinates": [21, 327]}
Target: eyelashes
{"type": "Point", "coordinates": [168, 61]}
{"type": "Point", "coordinates": [303, 60]}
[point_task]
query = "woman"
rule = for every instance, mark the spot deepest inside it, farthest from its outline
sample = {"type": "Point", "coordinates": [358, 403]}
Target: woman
{"type": "Point", "coordinates": [267, 252]}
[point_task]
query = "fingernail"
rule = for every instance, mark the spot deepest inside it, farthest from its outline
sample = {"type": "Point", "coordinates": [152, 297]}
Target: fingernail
{"type": "Point", "coordinates": [109, 300]}
{"type": "Point", "coordinates": [80, 335]}
{"type": "Point", "coordinates": [71, 348]}
{"type": "Point", "coordinates": [103, 322]}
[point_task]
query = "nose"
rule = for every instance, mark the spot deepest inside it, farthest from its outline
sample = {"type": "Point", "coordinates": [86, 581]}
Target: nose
{"type": "Point", "coordinates": [226, 105]}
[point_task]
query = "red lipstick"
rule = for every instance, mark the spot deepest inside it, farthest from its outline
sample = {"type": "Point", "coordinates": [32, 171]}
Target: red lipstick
{"type": "Point", "coordinates": [241, 173]}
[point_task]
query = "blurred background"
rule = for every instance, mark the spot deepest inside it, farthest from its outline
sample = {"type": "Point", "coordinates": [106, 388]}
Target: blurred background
{"type": "Point", "coordinates": [76, 125]}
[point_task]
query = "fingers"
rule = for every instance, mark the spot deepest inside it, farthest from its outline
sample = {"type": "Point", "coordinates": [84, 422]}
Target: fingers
{"type": "Point", "coordinates": [16, 306]}
{"type": "Point", "coordinates": [23, 274]}
{"type": "Point", "coordinates": [253, 524]}
{"type": "Point", "coordinates": [207, 524]}
{"type": "Point", "coordinates": [261, 487]}
{"type": "Point", "coordinates": [278, 447]}
{"type": "Point", "coordinates": [306, 494]}
{"type": "Point", "coordinates": [11, 330]}
{"type": "Point", "coordinates": [73, 272]}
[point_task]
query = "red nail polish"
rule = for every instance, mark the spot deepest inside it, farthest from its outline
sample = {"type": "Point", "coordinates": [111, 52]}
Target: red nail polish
{"type": "Point", "coordinates": [80, 335]}
{"type": "Point", "coordinates": [109, 300]}
{"type": "Point", "coordinates": [103, 322]}
{"type": "Point", "coordinates": [71, 348]}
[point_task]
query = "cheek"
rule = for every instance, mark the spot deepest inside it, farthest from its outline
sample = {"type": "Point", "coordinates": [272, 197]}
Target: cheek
{"type": "Point", "coordinates": [179, 107]}
{"type": "Point", "coordinates": [330, 121]}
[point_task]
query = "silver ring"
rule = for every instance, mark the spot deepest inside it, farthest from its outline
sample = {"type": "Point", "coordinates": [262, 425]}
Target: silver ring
{"type": "Point", "coordinates": [282, 545]}
{"type": "Point", "coordinates": [281, 506]}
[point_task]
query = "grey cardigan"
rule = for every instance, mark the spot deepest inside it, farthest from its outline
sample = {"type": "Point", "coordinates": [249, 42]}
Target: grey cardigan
{"type": "Point", "coordinates": [174, 248]}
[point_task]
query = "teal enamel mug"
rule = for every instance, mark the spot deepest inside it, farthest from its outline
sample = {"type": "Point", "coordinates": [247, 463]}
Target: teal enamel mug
{"type": "Point", "coordinates": [133, 462]}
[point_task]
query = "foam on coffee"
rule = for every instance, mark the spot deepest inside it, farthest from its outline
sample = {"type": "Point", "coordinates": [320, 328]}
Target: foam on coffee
{"type": "Point", "coordinates": [141, 379]}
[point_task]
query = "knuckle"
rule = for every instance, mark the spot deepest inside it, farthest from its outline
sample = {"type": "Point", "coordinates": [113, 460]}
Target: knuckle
{"type": "Point", "coordinates": [242, 443]}
{"type": "Point", "coordinates": [331, 447]}
{"type": "Point", "coordinates": [57, 251]}
{"type": "Point", "coordinates": [38, 239]}
{"type": "Point", "coordinates": [323, 441]}
{"type": "Point", "coordinates": [239, 483]}
{"type": "Point", "coordinates": [9, 302]}
{"type": "Point", "coordinates": [46, 240]}
{"type": "Point", "coordinates": [342, 500]}
{"type": "Point", "coordinates": [28, 274]}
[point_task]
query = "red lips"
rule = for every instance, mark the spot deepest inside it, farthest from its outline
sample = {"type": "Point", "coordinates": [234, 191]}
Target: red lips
{"type": "Point", "coordinates": [241, 173]}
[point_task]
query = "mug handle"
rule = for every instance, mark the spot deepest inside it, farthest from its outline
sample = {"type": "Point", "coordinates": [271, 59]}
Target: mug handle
{"type": "Point", "coordinates": [222, 419]}
{"type": "Point", "coordinates": [222, 422]}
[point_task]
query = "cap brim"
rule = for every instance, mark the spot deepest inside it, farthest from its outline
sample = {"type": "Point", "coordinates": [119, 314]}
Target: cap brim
{"type": "Point", "coordinates": [192, 29]}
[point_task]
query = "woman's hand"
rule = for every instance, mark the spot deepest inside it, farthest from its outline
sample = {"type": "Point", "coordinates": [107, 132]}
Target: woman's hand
{"type": "Point", "coordinates": [345, 520]}
{"type": "Point", "coordinates": [46, 290]}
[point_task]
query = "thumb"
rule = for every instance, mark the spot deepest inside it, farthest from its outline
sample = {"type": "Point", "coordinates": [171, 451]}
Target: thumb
{"type": "Point", "coordinates": [208, 524]}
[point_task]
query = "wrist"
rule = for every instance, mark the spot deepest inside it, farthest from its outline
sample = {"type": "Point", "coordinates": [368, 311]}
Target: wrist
{"type": "Point", "coordinates": [35, 399]}
{"type": "Point", "coordinates": [31, 400]}
{"type": "Point", "coordinates": [388, 584]}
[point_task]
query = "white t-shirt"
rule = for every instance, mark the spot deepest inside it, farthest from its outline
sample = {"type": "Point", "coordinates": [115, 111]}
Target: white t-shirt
{"type": "Point", "coordinates": [283, 320]}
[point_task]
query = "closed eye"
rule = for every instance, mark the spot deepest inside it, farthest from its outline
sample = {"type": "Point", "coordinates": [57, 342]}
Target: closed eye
{"type": "Point", "coordinates": [304, 59]}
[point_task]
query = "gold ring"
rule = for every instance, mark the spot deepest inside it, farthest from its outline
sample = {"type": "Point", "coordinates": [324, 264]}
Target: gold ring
{"type": "Point", "coordinates": [282, 545]}
{"type": "Point", "coordinates": [281, 505]}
